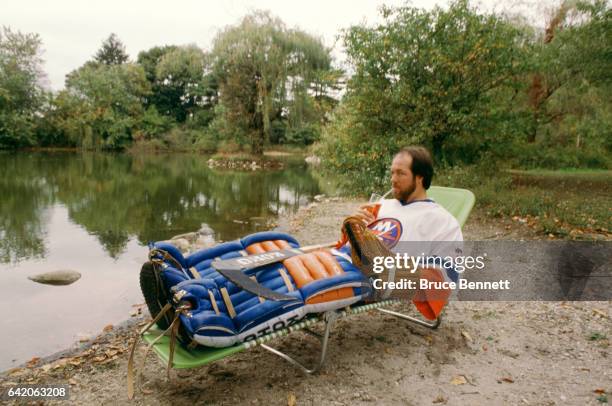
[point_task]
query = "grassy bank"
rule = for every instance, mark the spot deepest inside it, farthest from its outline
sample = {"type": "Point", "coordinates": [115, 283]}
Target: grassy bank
{"type": "Point", "coordinates": [573, 204]}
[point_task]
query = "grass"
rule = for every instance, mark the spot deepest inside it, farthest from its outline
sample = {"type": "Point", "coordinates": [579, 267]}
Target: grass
{"type": "Point", "coordinates": [597, 336]}
{"type": "Point", "coordinates": [592, 174]}
{"type": "Point", "coordinates": [573, 204]}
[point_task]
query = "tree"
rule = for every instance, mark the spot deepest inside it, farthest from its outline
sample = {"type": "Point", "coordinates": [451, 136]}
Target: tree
{"type": "Point", "coordinates": [571, 82]}
{"type": "Point", "coordinates": [263, 69]}
{"type": "Point", "coordinates": [181, 80]}
{"type": "Point", "coordinates": [443, 78]}
{"type": "Point", "coordinates": [184, 72]}
{"type": "Point", "coordinates": [106, 103]}
{"type": "Point", "coordinates": [21, 92]}
{"type": "Point", "coordinates": [161, 97]}
{"type": "Point", "coordinates": [112, 52]}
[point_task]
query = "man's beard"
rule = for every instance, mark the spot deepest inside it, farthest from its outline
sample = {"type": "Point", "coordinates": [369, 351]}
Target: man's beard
{"type": "Point", "coordinates": [405, 194]}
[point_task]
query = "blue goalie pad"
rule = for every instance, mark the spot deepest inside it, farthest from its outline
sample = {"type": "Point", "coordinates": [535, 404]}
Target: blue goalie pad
{"type": "Point", "coordinates": [221, 314]}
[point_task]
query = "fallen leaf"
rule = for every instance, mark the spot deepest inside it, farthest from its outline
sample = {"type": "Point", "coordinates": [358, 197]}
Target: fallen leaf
{"type": "Point", "coordinates": [61, 363]}
{"type": "Point", "coordinates": [147, 391]}
{"type": "Point", "coordinates": [599, 391]}
{"type": "Point", "coordinates": [459, 380]}
{"type": "Point", "coordinates": [440, 399]}
{"type": "Point", "coordinates": [72, 381]}
{"type": "Point", "coordinates": [83, 354]}
{"type": "Point", "coordinates": [466, 336]}
{"type": "Point", "coordinates": [110, 359]}
{"type": "Point", "coordinates": [506, 379]}
{"type": "Point", "coordinates": [31, 363]}
{"type": "Point", "coordinates": [599, 312]}
{"type": "Point", "coordinates": [291, 400]}
{"type": "Point", "coordinates": [15, 372]}
{"type": "Point", "coordinates": [107, 328]}
{"type": "Point", "coordinates": [46, 367]}
{"type": "Point", "coordinates": [99, 358]}
{"type": "Point", "coordinates": [111, 353]}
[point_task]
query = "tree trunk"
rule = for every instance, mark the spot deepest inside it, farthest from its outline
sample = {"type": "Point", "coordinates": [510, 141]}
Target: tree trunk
{"type": "Point", "coordinates": [262, 130]}
{"type": "Point", "coordinates": [437, 146]}
{"type": "Point", "coordinates": [266, 117]}
{"type": "Point", "coordinates": [257, 144]}
{"type": "Point", "coordinates": [539, 91]}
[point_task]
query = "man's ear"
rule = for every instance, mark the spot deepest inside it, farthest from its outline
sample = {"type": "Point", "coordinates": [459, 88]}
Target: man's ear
{"type": "Point", "coordinates": [419, 180]}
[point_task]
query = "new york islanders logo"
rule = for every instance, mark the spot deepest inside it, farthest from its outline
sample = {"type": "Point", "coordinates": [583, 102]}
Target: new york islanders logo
{"type": "Point", "coordinates": [388, 230]}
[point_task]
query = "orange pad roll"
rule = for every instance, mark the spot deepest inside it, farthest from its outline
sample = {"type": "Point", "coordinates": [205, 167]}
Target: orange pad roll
{"type": "Point", "coordinates": [314, 266]}
{"type": "Point", "coordinates": [255, 249]}
{"type": "Point", "coordinates": [332, 266]}
{"type": "Point", "coordinates": [282, 244]}
{"type": "Point", "coordinates": [342, 293]}
{"type": "Point", "coordinates": [298, 271]}
{"type": "Point", "coordinates": [270, 246]}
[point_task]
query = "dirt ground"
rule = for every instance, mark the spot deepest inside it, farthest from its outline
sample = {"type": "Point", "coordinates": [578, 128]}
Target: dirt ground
{"type": "Point", "coordinates": [484, 353]}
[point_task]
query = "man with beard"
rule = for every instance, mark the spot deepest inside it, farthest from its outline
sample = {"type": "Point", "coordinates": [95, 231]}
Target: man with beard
{"type": "Point", "coordinates": [413, 224]}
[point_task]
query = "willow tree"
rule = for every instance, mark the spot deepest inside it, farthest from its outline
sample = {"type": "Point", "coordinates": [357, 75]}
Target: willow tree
{"type": "Point", "coordinates": [264, 71]}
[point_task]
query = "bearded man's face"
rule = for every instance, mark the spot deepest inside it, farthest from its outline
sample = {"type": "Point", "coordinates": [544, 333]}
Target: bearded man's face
{"type": "Point", "coordinates": [402, 179]}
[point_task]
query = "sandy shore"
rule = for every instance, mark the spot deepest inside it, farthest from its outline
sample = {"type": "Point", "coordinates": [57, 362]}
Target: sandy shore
{"type": "Point", "coordinates": [531, 353]}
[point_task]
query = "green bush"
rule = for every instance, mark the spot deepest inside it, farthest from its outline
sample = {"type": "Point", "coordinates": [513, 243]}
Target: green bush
{"type": "Point", "coordinates": [206, 142]}
{"type": "Point", "coordinates": [278, 130]}
{"type": "Point", "coordinates": [179, 139]}
{"type": "Point", "coordinates": [305, 135]}
{"type": "Point", "coordinates": [153, 145]}
{"type": "Point", "coordinates": [229, 147]}
{"type": "Point", "coordinates": [551, 157]}
{"type": "Point", "coordinates": [153, 125]}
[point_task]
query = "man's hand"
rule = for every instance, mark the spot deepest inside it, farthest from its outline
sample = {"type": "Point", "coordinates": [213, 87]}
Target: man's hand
{"type": "Point", "coordinates": [365, 213]}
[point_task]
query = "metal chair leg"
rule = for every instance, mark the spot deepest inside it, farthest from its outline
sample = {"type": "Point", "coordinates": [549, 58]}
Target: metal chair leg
{"type": "Point", "coordinates": [330, 318]}
{"type": "Point", "coordinates": [432, 325]}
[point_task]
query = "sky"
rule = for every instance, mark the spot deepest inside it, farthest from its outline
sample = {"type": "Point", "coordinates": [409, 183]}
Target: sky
{"type": "Point", "coordinates": [73, 30]}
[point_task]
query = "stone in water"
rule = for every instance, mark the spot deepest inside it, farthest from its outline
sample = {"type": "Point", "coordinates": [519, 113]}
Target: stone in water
{"type": "Point", "coordinates": [56, 277]}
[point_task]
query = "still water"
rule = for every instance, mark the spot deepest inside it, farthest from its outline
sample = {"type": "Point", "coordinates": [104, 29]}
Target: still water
{"type": "Point", "coordinates": [95, 213]}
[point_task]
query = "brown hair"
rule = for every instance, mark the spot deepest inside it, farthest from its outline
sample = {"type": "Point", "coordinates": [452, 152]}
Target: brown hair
{"type": "Point", "coordinates": [422, 163]}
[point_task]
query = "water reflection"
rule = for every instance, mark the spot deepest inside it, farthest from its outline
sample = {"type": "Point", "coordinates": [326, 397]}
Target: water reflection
{"type": "Point", "coordinates": [151, 197]}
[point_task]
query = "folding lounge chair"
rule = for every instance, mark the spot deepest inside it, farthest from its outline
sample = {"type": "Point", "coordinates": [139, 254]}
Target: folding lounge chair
{"type": "Point", "coordinates": [458, 202]}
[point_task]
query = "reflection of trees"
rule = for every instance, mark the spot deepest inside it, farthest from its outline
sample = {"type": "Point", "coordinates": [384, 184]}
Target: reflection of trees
{"type": "Point", "coordinates": [152, 197]}
{"type": "Point", "coordinates": [23, 199]}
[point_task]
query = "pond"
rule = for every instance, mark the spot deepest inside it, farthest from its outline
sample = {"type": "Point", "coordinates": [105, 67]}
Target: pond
{"type": "Point", "coordinates": [95, 213]}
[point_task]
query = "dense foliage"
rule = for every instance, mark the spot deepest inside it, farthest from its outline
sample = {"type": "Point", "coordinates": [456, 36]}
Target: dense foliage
{"type": "Point", "coordinates": [475, 87]}
{"type": "Point", "coordinates": [262, 84]}
{"type": "Point", "coordinates": [21, 93]}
